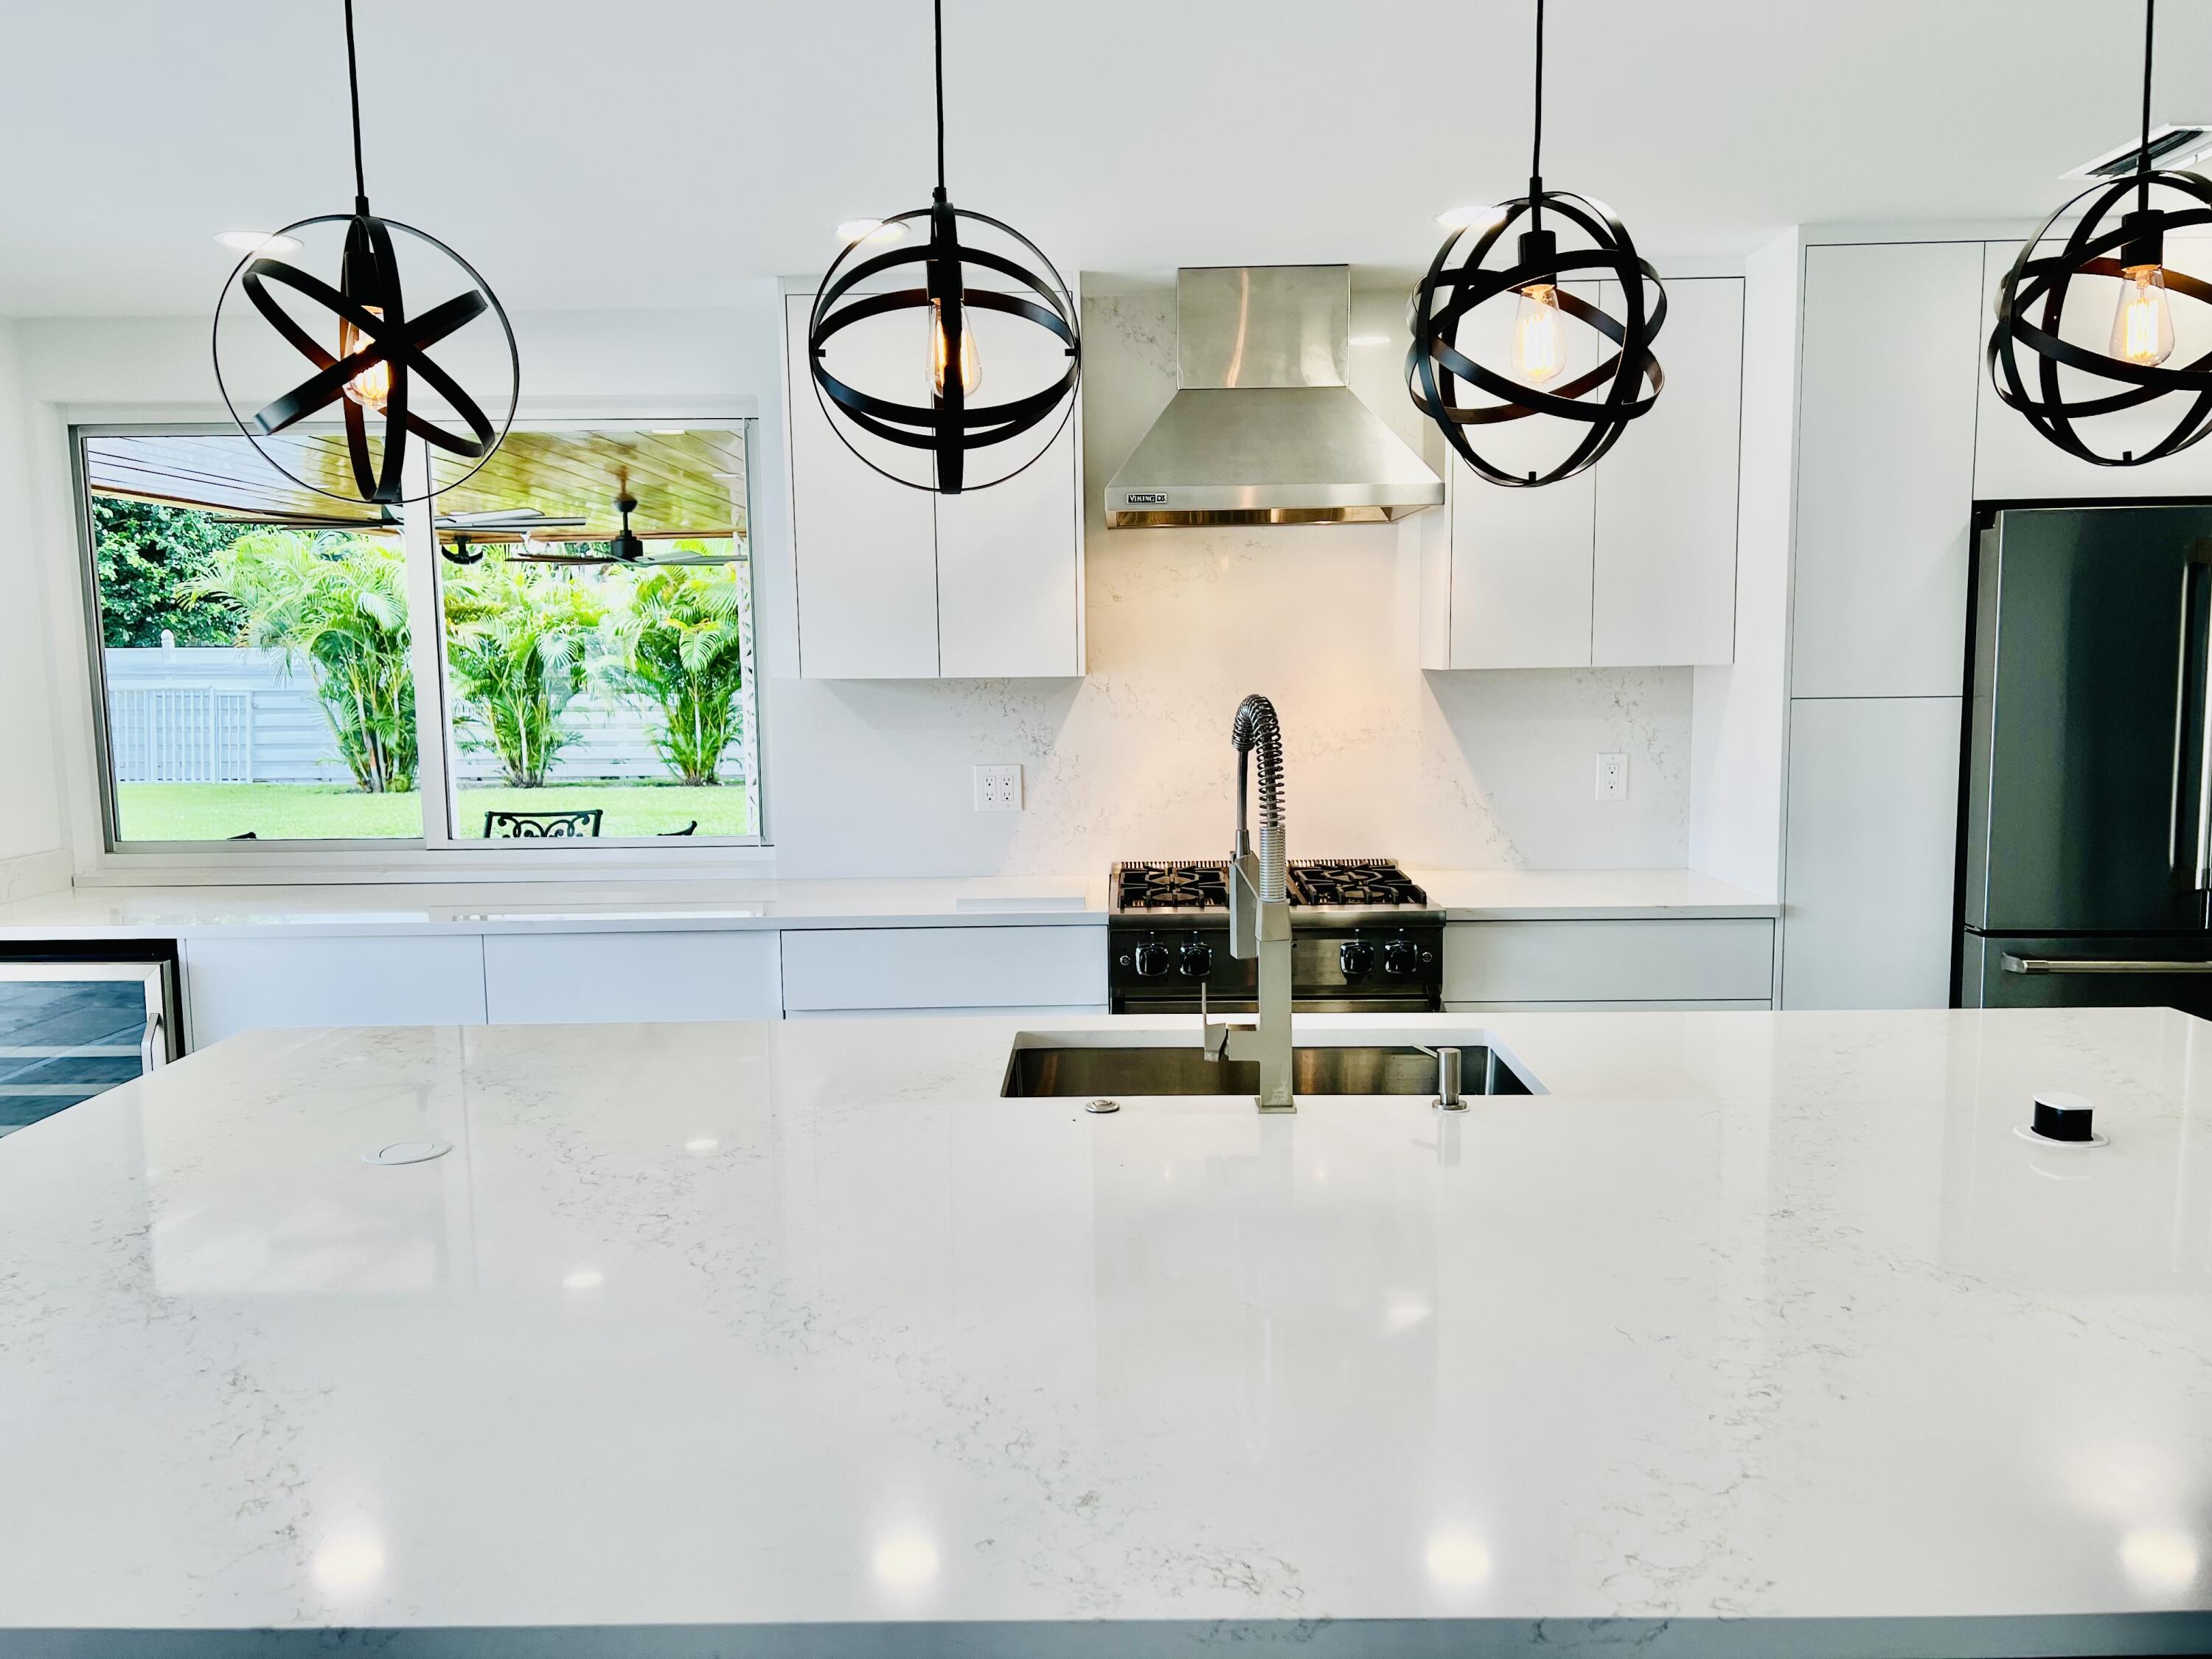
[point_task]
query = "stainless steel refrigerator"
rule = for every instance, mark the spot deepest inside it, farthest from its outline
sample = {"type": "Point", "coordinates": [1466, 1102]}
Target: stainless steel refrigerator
{"type": "Point", "coordinates": [2086, 849]}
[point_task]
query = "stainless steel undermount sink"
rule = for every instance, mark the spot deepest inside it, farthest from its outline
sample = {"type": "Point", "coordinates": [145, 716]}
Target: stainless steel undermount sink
{"type": "Point", "coordinates": [1048, 1065]}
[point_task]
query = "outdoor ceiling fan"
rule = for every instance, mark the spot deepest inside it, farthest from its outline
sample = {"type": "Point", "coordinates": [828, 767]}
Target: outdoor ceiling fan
{"type": "Point", "coordinates": [383, 519]}
{"type": "Point", "coordinates": [458, 533]}
{"type": "Point", "coordinates": [627, 547]}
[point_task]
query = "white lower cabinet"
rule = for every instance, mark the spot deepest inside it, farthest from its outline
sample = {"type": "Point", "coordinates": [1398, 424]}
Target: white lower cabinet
{"type": "Point", "coordinates": [840, 969]}
{"type": "Point", "coordinates": [594, 979]}
{"type": "Point", "coordinates": [1703, 963]}
{"type": "Point", "coordinates": [1643, 1006]}
{"type": "Point", "coordinates": [234, 985]}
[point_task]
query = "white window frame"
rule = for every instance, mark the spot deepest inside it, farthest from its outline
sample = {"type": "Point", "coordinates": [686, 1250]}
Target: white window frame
{"type": "Point", "coordinates": [439, 853]}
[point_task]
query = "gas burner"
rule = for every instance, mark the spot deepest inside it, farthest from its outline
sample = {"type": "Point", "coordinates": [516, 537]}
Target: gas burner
{"type": "Point", "coordinates": [1172, 885]}
{"type": "Point", "coordinates": [1187, 884]}
{"type": "Point", "coordinates": [1364, 883]}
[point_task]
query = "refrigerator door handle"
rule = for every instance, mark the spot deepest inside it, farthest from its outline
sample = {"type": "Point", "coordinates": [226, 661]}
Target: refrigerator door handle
{"type": "Point", "coordinates": [2202, 873]}
{"type": "Point", "coordinates": [2181, 714]}
{"type": "Point", "coordinates": [2196, 650]}
{"type": "Point", "coordinates": [2019, 964]}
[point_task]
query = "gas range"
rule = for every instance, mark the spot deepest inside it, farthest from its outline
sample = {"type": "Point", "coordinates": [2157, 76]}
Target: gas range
{"type": "Point", "coordinates": [1363, 938]}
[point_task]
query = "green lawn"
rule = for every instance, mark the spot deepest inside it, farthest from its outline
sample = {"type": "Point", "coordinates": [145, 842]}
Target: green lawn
{"type": "Point", "coordinates": [301, 811]}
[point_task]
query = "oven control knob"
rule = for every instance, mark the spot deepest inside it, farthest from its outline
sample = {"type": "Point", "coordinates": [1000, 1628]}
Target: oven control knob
{"type": "Point", "coordinates": [1152, 960]}
{"type": "Point", "coordinates": [1401, 957]}
{"type": "Point", "coordinates": [1356, 956]}
{"type": "Point", "coordinates": [1197, 959]}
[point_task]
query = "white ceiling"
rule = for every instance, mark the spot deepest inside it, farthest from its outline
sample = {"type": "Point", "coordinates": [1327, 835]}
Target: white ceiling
{"type": "Point", "coordinates": [662, 152]}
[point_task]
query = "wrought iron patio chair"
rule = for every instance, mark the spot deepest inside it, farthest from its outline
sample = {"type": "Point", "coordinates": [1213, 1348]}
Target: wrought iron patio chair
{"type": "Point", "coordinates": [542, 826]}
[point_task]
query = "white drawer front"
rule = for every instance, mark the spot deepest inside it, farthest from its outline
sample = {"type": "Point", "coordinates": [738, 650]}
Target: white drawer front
{"type": "Point", "coordinates": [1727, 960]}
{"type": "Point", "coordinates": [917, 968]}
{"type": "Point", "coordinates": [587, 979]}
{"type": "Point", "coordinates": [234, 985]}
{"type": "Point", "coordinates": [1711, 1005]}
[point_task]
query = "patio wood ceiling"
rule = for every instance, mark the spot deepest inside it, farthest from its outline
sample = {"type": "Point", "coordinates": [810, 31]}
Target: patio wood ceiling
{"type": "Point", "coordinates": [688, 483]}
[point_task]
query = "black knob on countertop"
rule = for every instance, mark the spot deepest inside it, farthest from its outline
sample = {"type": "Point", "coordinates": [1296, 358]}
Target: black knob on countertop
{"type": "Point", "coordinates": [2064, 1117]}
{"type": "Point", "coordinates": [1197, 959]}
{"type": "Point", "coordinates": [1356, 956]}
{"type": "Point", "coordinates": [1152, 960]}
{"type": "Point", "coordinates": [1401, 957]}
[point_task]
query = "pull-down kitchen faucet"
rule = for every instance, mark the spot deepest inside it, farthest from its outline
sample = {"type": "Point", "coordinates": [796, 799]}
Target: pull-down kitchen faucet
{"type": "Point", "coordinates": [1260, 909]}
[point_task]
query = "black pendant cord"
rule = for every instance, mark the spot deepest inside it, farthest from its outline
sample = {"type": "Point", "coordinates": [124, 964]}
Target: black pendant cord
{"type": "Point", "coordinates": [353, 88]}
{"type": "Point", "coordinates": [2142, 155]}
{"type": "Point", "coordinates": [1536, 144]}
{"type": "Point", "coordinates": [938, 31]}
{"type": "Point", "coordinates": [2150, 34]}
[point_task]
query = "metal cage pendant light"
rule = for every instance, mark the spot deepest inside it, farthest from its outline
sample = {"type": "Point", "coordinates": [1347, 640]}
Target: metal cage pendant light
{"type": "Point", "coordinates": [2131, 366]}
{"type": "Point", "coordinates": [376, 361]}
{"type": "Point", "coordinates": [944, 431]}
{"type": "Point", "coordinates": [1603, 398]}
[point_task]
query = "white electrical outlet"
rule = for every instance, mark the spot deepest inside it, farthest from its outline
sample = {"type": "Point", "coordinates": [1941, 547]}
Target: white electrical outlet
{"type": "Point", "coordinates": [1613, 777]}
{"type": "Point", "coordinates": [998, 788]}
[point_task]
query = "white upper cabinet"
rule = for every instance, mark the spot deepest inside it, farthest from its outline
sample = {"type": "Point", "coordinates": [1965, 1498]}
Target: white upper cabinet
{"type": "Point", "coordinates": [1631, 563]}
{"type": "Point", "coordinates": [1886, 469]}
{"type": "Point", "coordinates": [866, 546]}
{"type": "Point", "coordinates": [1009, 558]}
{"type": "Point", "coordinates": [897, 583]}
{"type": "Point", "coordinates": [2015, 462]}
{"type": "Point", "coordinates": [1664, 586]}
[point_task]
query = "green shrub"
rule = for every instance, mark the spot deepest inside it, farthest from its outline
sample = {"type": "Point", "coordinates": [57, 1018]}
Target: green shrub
{"type": "Point", "coordinates": [680, 642]}
{"type": "Point", "coordinates": [515, 641]}
{"type": "Point", "coordinates": [339, 602]}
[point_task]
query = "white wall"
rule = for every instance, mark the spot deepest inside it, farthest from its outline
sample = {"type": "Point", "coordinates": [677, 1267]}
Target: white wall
{"type": "Point", "coordinates": [874, 777]}
{"type": "Point", "coordinates": [1739, 711]}
{"type": "Point", "coordinates": [33, 842]}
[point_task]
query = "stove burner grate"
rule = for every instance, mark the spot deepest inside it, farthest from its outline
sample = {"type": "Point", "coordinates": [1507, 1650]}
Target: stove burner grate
{"type": "Point", "coordinates": [1362, 882]}
{"type": "Point", "coordinates": [1172, 885]}
{"type": "Point", "coordinates": [1180, 884]}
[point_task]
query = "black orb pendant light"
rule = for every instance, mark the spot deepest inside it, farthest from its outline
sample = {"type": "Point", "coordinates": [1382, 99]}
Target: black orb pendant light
{"type": "Point", "coordinates": [376, 353]}
{"type": "Point", "coordinates": [2132, 365]}
{"type": "Point", "coordinates": [1626, 381]}
{"type": "Point", "coordinates": [957, 278]}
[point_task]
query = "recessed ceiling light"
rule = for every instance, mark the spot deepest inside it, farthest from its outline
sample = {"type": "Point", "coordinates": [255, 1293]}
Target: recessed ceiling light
{"type": "Point", "coordinates": [1370, 339]}
{"type": "Point", "coordinates": [1461, 218]}
{"type": "Point", "coordinates": [256, 241]}
{"type": "Point", "coordinates": [872, 230]}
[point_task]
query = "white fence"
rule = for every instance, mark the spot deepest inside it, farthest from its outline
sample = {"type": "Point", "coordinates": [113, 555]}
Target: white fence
{"type": "Point", "coordinates": [181, 734]}
{"type": "Point", "coordinates": [219, 715]}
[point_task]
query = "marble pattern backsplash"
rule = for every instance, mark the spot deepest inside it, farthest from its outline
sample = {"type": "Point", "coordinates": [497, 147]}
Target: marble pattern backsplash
{"type": "Point", "coordinates": [1469, 771]}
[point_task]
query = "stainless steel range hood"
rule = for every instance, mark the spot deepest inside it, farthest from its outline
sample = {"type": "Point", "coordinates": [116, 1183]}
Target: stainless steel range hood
{"type": "Point", "coordinates": [1263, 430]}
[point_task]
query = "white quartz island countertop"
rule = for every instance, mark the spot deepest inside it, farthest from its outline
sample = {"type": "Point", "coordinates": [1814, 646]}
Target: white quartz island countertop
{"type": "Point", "coordinates": [568, 907]}
{"type": "Point", "coordinates": [1758, 1333]}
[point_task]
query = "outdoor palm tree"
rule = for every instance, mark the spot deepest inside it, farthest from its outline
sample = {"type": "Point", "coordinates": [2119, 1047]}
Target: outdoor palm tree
{"type": "Point", "coordinates": [516, 640]}
{"type": "Point", "coordinates": [680, 642]}
{"type": "Point", "coordinates": [339, 602]}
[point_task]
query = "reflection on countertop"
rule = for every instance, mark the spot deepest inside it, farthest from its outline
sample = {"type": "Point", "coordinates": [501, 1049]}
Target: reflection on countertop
{"type": "Point", "coordinates": [1753, 1317]}
{"type": "Point", "coordinates": [521, 906]}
